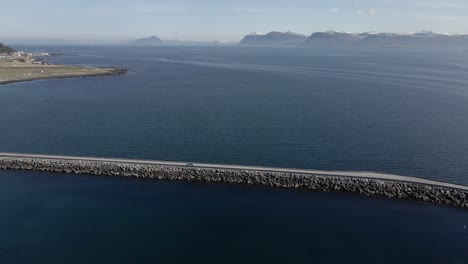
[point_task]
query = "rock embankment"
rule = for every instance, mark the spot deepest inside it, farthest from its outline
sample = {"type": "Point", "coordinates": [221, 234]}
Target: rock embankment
{"type": "Point", "coordinates": [368, 187]}
{"type": "Point", "coordinates": [117, 71]}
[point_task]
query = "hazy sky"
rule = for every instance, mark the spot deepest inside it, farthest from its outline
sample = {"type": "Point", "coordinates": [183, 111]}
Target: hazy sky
{"type": "Point", "coordinates": [117, 20]}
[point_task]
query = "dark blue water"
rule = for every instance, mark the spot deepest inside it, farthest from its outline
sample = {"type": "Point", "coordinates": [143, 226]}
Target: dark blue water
{"type": "Point", "coordinates": [386, 110]}
{"type": "Point", "coordinates": [55, 218]}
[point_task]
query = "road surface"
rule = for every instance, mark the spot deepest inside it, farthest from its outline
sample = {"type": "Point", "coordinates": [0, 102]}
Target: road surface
{"type": "Point", "coordinates": [351, 174]}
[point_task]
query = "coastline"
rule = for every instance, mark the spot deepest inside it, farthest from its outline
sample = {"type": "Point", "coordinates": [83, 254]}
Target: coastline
{"type": "Point", "coordinates": [407, 188]}
{"type": "Point", "coordinates": [110, 71]}
{"type": "Point", "coordinates": [24, 67]}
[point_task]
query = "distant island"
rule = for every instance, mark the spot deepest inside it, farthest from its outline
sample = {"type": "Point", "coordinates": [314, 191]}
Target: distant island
{"type": "Point", "coordinates": [156, 41]}
{"type": "Point", "coordinates": [274, 38]}
{"type": "Point", "coordinates": [368, 39]}
{"type": "Point", "coordinates": [328, 39]}
{"type": "Point", "coordinates": [149, 41]}
{"type": "Point", "coordinates": [17, 66]}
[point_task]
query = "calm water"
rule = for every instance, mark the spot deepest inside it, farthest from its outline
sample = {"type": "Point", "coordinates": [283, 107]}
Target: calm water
{"type": "Point", "coordinates": [395, 111]}
{"type": "Point", "coordinates": [54, 218]}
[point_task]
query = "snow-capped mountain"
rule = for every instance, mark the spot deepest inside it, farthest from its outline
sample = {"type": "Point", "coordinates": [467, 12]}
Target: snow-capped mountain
{"type": "Point", "coordinates": [375, 39]}
{"type": "Point", "coordinates": [366, 39]}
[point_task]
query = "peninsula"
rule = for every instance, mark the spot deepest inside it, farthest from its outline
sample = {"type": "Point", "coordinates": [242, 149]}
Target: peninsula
{"type": "Point", "coordinates": [16, 66]}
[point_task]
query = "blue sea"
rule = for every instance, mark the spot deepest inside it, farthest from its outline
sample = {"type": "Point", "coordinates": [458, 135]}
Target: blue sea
{"type": "Point", "coordinates": [399, 111]}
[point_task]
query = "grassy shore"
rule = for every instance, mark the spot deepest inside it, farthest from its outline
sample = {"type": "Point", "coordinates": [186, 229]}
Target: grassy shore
{"type": "Point", "coordinates": [11, 72]}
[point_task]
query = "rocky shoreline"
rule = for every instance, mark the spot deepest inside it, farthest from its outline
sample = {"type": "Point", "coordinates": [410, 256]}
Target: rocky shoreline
{"type": "Point", "coordinates": [363, 186]}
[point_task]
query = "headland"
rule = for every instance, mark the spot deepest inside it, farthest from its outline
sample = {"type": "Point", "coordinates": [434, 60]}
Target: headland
{"type": "Point", "coordinates": [22, 67]}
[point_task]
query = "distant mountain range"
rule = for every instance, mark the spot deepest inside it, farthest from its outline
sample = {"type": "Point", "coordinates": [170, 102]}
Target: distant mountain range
{"type": "Point", "coordinates": [333, 39]}
{"type": "Point", "coordinates": [155, 41]}
{"type": "Point", "coordinates": [6, 49]}
{"type": "Point", "coordinates": [369, 39]}
{"type": "Point", "coordinates": [150, 41]}
{"type": "Point", "coordinates": [274, 38]}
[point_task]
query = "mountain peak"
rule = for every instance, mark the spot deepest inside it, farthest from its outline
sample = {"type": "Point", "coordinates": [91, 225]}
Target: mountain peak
{"type": "Point", "coordinates": [153, 40]}
{"type": "Point", "coordinates": [381, 39]}
{"type": "Point", "coordinates": [6, 49]}
{"type": "Point", "coordinates": [274, 38]}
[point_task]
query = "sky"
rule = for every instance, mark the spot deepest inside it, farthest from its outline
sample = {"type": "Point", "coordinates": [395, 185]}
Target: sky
{"type": "Point", "coordinates": [223, 20]}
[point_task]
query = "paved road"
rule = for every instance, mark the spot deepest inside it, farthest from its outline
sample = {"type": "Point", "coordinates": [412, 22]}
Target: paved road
{"type": "Point", "coordinates": [351, 174]}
